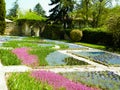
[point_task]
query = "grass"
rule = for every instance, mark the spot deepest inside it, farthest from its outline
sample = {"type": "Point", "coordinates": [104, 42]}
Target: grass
{"type": "Point", "coordinates": [23, 81]}
{"type": "Point", "coordinates": [42, 52]}
{"type": "Point", "coordinates": [8, 58]}
{"type": "Point", "coordinates": [92, 45]}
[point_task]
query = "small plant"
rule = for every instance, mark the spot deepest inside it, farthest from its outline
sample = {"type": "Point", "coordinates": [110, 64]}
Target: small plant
{"type": "Point", "coordinates": [76, 35]}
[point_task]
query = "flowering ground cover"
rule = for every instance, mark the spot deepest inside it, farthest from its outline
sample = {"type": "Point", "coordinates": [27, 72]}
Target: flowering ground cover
{"type": "Point", "coordinates": [35, 52]}
{"type": "Point", "coordinates": [100, 56]}
{"type": "Point", "coordinates": [56, 58]}
{"type": "Point", "coordinates": [42, 49]}
{"type": "Point", "coordinates": [40, 52]}
{"type": "Point", "coordinates": [25, 57]}
{"type": "Point", "coordinates": [43, 80]}
{"type": "Point", "coordinates": [106, 80]}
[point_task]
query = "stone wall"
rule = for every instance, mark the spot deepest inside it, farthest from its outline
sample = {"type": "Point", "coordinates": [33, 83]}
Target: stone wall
{"type": "Point", "coordinates": [13, 28]}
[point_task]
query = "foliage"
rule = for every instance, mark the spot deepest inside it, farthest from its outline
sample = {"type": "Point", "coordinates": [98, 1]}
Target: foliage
{"type": "Point", "coordinates": [8, 58]}
{"type": "Point", "coordinates": [76, 35]}
{"type": "Point", "coordinates": [114, 27]}
{"type": "Point", "coordinates": [25, 57]}
{"type": "Point", "coordinates": [102, 47]}
{"type": "Point", "coordinates": [59, 13]}
{"type": "Point", "coordinates": [100, 57]}
{"type": "Point", "coordinates": [39, 10]}
{"type": "Point", "coordinates": [2, 16]}
{"type": "Point", "coordinates": [58, 82]}
{"type": "Point", "coordinates": [97, 36]}
{"type": "Point", "coordinates": [92, 12]}
{"type": "Point", "coordinates": [40, 51]}
{"type": "Point", "coordinates": [72, 61]}
{"type": "Point", "coordinates": [105, 80]}
{"type": "Point", "coordinates": [31, 16]}
{"type": "Point", "coordinates": [23, 81]}
{"type": "Point", "coordinates": [53, 32]}
{"type": "Point", "coordinates": [13, 12]}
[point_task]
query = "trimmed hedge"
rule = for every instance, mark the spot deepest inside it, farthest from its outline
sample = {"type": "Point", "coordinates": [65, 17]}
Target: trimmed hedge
{"type": "Point", "coordinates": [76, 35]}
{"type": "Point", "coordinates": [97, 37]}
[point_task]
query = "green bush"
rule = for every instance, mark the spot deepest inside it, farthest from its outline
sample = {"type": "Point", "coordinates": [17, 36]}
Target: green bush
{"type": "Point", "coordinates": [76, 35]}
{"type": "Point", "coordinates": [2, 16]}
{"type": "Point", "coordinates": [114, 28]}
{"type": "Point", "coordinates": [53, 32]}
{"type": "Point", "coordinates": [97, 36]}
{"type": "Point", "coordinates": [47, 33]}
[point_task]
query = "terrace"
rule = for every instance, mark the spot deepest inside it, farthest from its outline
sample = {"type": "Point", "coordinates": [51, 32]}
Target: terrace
{"type": "Point", "coordinates": [43, 57]}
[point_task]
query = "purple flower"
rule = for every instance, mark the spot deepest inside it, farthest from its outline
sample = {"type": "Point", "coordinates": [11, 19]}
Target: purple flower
{"type": "Point", "coordinates": [25, 57]}
{"type": "Point", "coordinates": [58, 81]}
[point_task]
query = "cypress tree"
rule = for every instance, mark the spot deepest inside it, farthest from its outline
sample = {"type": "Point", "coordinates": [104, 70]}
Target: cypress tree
{"type": "Point", "coordinates": [2, 16]}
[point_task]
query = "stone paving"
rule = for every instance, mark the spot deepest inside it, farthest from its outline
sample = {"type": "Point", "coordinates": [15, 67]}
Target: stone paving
{"type": "Point", "coordinates": [22, 68]}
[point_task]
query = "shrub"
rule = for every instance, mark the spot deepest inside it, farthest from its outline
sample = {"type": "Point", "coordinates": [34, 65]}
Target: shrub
{"type": "Point", "coordinates": [97, 36]}
{"type": "Point", "coordinates": [76, 35]}
{"type": "Point", "coordinates": [53, 32]}
{"type": "Point", "coordinates": [2, 16]}
{"type": "Point", "coordinates": [114, 28]}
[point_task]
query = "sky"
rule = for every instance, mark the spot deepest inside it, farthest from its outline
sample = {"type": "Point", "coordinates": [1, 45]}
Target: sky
{"type": "Point", "coordinates": [29, 4]}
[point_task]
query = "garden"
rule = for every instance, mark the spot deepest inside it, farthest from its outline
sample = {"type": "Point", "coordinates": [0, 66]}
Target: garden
{"type": "Point", "coordinates": [75, 47]}
{"type": "Point", "coordinates": [41, 55]}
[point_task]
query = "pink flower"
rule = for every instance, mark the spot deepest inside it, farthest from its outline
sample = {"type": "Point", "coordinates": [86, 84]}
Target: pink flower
{"type": "Point", "coordinates": [25, 57]}
{"type": "Point", "coordinates": [58, 81]}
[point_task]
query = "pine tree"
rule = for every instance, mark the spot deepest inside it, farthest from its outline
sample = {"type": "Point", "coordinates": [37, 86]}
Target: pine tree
{"type": "Point", "coordinates": [39, 10]}
{"type": "Point", "coordinates": [2, 16]}
{"type": "Point", "coordinates": [61, 11]}
{"type": "Point", "coordinates": [13, 12]}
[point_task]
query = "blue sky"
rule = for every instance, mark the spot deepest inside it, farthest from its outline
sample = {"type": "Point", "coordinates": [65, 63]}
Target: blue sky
{"type": "Point", "coordinates": [29, 4]}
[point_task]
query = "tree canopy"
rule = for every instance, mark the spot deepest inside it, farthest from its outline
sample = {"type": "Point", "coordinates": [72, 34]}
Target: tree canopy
{"type": "Point", "coordinates": [59, 13]}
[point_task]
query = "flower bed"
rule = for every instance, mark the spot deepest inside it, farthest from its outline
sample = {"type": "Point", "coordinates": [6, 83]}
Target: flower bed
{"type": "Point", "coordinates": [25, 57]}
{"type": "Point", "coordinates": [58, 81]}
{"type": "Point", "coordinates": [43, 80]}
{"type": "Point", "coordinates": [99, 56]}
{"type": "Point", "coordinates": [106, 80]}
{"type": "Point", "coordinates": [56, 59]}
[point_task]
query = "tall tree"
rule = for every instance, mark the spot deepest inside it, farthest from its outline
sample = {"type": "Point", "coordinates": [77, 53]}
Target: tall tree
{"type": "Point", "coordinates": [92, 10]}
{"type": "Point", "coordinates": [60, 12]}
{"type": "Point", "coordinates": [39, 10]}
{"type": "Point", "coordinates": [13, 12]}
{"type": "Point", "coordinates": [2, 16]}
